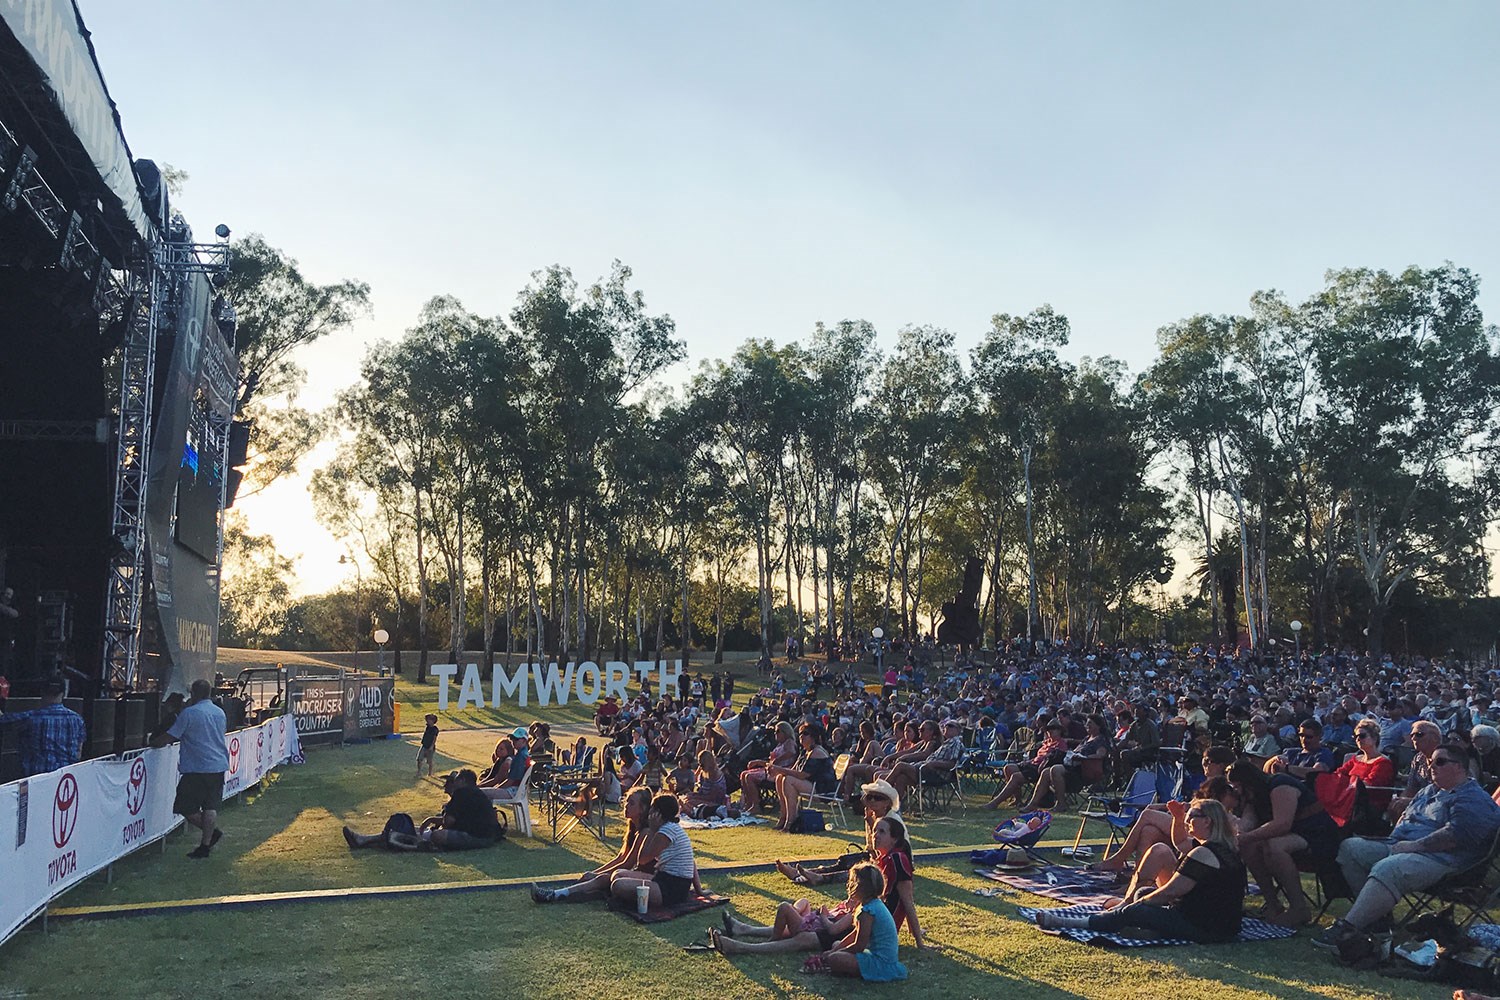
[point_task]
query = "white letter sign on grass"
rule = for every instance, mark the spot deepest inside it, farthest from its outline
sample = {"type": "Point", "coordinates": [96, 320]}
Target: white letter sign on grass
{"type": "Point", "coordinates": [444, 673]}
{"type": "Point", "coordinates": [515, 685]}
{"type": "Point", "coordinates": [553, 682]}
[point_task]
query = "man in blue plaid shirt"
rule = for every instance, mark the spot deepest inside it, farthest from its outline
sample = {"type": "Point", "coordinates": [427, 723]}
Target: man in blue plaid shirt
{"type": "Point", "coordinates": [52, 736]}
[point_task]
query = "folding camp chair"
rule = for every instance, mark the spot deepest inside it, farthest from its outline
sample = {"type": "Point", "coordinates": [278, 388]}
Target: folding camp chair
{"type": "Point", "coordinates": [938, 787]}
{"type": "Point", "coordinates": [1475, 889]}
{"type": "Point", "coordinates": [832, 799]}
{"type": "Point", "coordinates": [1118, 812]}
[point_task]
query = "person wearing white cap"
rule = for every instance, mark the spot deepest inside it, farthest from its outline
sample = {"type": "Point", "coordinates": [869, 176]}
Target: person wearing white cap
{"type": "Point", "coordinates": [879, 799]}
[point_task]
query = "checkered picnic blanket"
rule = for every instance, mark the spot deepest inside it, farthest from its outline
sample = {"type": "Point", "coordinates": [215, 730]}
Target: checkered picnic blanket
{"type": "Point", "coordinates": [1250, 930]}
{"type": "Point", "coordinates": [1072, 885]}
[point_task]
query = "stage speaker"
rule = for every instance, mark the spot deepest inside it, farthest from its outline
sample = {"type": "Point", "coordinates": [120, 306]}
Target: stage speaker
{"type": "Point", "coordinates": [232, 487]}
{"type": "Point", "coordinates": [101, 723]}
{"type": "Point", "coordinates": [239, 442]}
{"type": "Point", "coordinates": [130, 723]}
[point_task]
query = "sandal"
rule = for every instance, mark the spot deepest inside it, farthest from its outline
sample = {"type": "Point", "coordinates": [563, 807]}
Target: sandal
{"type": "Point", "coordinates": [698, 948]}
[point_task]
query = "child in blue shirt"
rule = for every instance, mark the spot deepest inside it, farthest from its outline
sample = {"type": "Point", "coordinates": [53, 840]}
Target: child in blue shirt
{"type": "Point", "coordinates": [868, 951]}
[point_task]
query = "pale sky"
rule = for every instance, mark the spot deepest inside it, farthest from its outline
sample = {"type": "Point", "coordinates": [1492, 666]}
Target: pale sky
{"type": "Point", "coordinates": [765, 166]}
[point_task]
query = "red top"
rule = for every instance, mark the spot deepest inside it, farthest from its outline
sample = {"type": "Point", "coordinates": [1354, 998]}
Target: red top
{"type": "Point", "coordinates": [1336, 791]}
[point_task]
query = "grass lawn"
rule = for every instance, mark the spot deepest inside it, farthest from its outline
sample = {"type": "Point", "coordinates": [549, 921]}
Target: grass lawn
{"type": "Point", "coordinates": [497, 942]}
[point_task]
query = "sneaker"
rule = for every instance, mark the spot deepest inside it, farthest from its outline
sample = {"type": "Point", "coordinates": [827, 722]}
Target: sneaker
{"type": "Point", "coordinates": [540, 895]}
{"type": "Point", "coordinates": [199, 853]}
{"type": "Point", "coordinates": [349, 838]}
{"type": "Point", "coordinates": [1329, 939]}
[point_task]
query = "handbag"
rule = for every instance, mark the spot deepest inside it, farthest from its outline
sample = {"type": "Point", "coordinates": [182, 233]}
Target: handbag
{"type": "Point", "coordinates": [808, 821]}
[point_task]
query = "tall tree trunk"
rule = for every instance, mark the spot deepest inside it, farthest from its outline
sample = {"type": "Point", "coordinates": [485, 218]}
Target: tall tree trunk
{"type": "Point", "coordinates": [1031, 600]}
{"type": "Point", "coordinates": [687, 620]}
{"type": "Point", "coordinates": [486, 569]}
{"type": "Point", "coordinates": [421, 594]}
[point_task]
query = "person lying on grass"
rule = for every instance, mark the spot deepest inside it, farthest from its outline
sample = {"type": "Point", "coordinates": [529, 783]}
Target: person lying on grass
{"type": "Point", "coordinates": [800, 926]}
{"type": "Point", "coordinates": [879, 799]}
{"type": "Point", "coordinates": [868, 951]}
{"type": "Point", "coordinates": [668, 852]}
{"type": "Point", "coordinates": [467, 821]}
{"type": "Point", "coordinates": [596, 883]}
{"type": "Point", "coordinates": [1201, 897]}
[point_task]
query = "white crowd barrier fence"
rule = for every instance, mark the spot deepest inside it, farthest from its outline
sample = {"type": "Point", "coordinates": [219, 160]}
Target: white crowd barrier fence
{"type": "Point", "coordinates": [57, 829]}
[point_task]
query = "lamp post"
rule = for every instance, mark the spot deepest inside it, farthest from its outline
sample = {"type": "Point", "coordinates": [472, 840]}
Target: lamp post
{"type": "Point", "coordinates": [879, 634]}
{"type": "Point", "coordinates": [1297, 637]}
{"type": "Point", "coordinates": [381, 637]}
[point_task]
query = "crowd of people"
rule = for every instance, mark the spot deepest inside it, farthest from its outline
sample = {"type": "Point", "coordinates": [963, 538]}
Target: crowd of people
{"type": "Point", "coordinates": [1377, 775]}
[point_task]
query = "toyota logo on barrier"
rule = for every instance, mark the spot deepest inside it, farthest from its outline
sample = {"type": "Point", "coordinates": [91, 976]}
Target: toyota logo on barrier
{"type": "Point", "coordinates": [135, 788]}
{"type": "Point", "coordinates": [234, 755]}
{"type": "Point", "coordinates": [64, 810]}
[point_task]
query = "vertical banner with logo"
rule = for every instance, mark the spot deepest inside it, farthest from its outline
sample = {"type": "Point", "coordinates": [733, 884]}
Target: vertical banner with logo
{"type": "Point", "coordinates": [63, 826]}
{"type": "Point", "coordinates": [369, 707]}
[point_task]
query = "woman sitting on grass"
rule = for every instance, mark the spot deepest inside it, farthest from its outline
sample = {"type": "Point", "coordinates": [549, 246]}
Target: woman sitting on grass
{"type": "Point", "coordinates": [596, 882]}
{"type": "Point", "coordinates": [868, 951]}
{"type": "Point", "coordinates": [1162, 823]}
{"type": "Point", "coordinates": [670, 853]}
{"type": "Point", "coordinates": [1201, 898]}
{"type": "Point", "coordinates": [709, 787]}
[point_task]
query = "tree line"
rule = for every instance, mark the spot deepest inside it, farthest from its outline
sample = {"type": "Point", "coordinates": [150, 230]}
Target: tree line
{"type": "Point", "coordinates": [547, 482]}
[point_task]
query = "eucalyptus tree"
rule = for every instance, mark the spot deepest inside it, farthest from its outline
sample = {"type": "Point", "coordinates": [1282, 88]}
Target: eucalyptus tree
{"type": "Point", "coordinates": [755, 402]}
{"type": "Point", "coordinates": [1410, 384]}
{"type": "Point", "coordinates": [916, 412]}
{"type": "Point", "coordinates": [1018, 377]}
{"type": "Point", "coordinates": [589, 351]}
{"type": "Point", "coordinates": [277, 312]}
{"type": "Point", "coordinates": [841, 363]}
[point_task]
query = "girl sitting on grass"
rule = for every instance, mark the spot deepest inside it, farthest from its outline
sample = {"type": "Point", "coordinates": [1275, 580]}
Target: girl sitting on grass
{"type": "Point", "coordinates": [868, 951]}
{"type": "Point", "coordinates": [596, 882]}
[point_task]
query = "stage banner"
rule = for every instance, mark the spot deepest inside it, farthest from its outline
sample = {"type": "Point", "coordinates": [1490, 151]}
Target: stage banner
{"type": "Point", "coordinates": [318, 708]}
{"type": "Point", "coordinates": [184, 590]}
{"type": "Point", "coordinates": [369, 707]}
{"type": "Point", "coordinates": [52, 33]}
{"type": "Point", "coordinates": [63, 826]}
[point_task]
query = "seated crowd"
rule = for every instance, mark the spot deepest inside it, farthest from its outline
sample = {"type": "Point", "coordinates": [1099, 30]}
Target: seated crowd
{"type": "Point", "coordinates": [1375, 775]}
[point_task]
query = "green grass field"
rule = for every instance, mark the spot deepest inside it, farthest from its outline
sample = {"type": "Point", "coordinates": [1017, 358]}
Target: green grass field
{"type": "Point", "coordinates": [495, 941]}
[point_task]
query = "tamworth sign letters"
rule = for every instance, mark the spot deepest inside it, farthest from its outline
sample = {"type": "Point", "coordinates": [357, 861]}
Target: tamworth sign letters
{"type": "Point", "coordinates": [586, 681]}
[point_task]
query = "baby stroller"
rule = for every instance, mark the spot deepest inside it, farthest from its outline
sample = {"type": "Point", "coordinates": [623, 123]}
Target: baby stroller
{"type": "Point", "coordinates": [1024, 832]}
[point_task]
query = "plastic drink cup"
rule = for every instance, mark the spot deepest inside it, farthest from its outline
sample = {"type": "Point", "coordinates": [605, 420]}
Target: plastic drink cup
{"type": "Point", "coordinates": [642, 898]}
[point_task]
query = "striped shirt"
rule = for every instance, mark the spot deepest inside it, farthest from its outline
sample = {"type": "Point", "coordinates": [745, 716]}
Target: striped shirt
{"type": "Point", "coordinates": [677, 858]}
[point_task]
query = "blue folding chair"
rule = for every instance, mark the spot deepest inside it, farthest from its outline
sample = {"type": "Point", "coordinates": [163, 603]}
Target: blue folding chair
{"type": "Point", "coordinates": [1119, 812]}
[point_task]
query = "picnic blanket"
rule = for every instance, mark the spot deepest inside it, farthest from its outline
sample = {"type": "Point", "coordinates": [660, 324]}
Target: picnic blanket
{"type": "Point", "coordinates": [1250, 930]}
{"type": "Point", "coordinates": [694, 903]}
{"type": "Point", "coordinates": [716, 823]}
{"type": "Point", "coordinates": [1073, 885]}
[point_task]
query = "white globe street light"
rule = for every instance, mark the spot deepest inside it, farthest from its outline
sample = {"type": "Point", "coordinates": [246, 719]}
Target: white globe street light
{"type": "Point", "coordinates": [381, 637]}
{"type": "Point", "coordinates": [1297, 636]}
